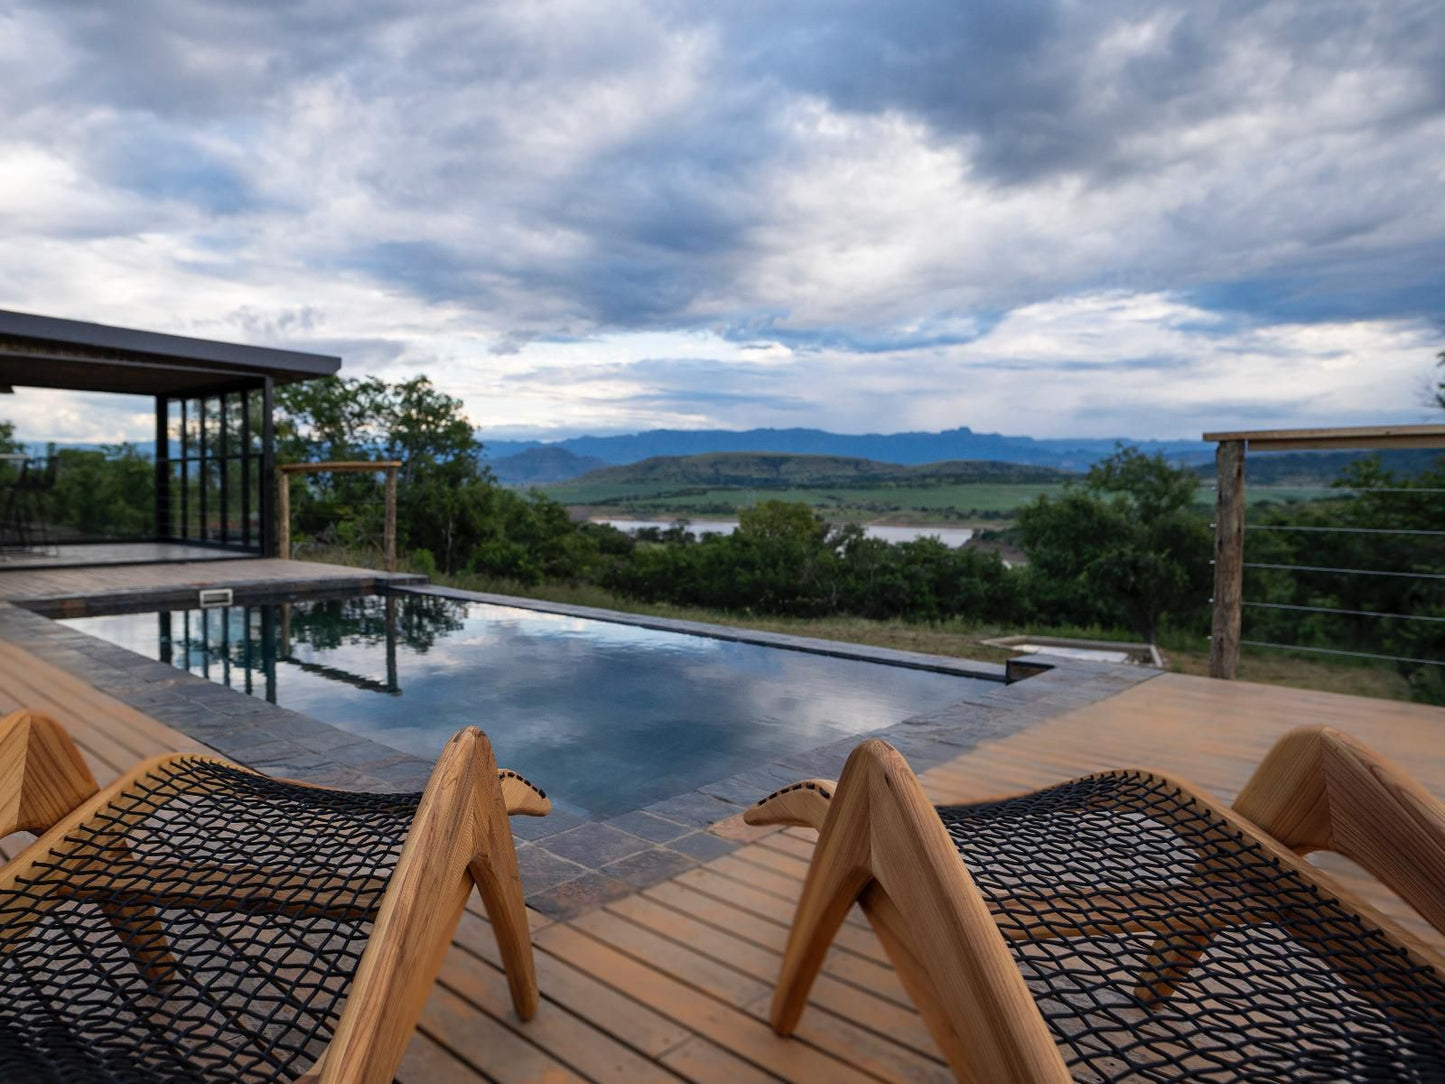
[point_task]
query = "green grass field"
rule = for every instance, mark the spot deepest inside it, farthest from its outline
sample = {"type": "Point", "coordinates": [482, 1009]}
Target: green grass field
{"type": "Point", "coordinates": [943, 503]}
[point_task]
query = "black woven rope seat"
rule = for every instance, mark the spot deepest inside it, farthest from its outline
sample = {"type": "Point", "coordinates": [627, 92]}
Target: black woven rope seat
{"type": "Point", "coordinates": [1161, 943]}
{"type": "Point", "coordinates": [1125, 927]}
{"type": "Point", "coordinates": [197, 921]}
{"type": "Point", "coordinates": [206, 925]}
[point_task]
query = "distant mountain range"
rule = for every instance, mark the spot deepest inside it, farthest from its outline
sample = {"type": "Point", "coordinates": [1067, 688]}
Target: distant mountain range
{"type": "Point", "coordinates": [1067, 453]}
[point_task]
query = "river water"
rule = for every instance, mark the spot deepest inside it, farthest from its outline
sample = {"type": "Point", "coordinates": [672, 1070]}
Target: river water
{"type": "Point", "coordinates": [950, 536]}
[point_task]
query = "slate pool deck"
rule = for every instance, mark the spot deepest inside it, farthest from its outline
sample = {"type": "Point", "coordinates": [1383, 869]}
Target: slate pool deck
{"type": "Point", "coordinates": [656, 964]}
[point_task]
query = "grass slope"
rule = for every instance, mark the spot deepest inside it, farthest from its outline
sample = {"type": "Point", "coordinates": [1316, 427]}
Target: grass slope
{"type": "Point", "coordinates": [766, 470]}
{"type": "Point", "coordinates": [842, 488]}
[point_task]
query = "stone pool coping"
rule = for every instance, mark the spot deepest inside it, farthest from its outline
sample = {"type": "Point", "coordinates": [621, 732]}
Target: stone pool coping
{"type": "Point", "coordinates": [569, 863]}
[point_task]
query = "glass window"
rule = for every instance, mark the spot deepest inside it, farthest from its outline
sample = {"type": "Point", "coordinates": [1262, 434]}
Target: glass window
{"type": "Point", "coordinates": [253, 495]}
{"type": "Point", "coordinates": [173, 428]}
{"type": "Point", "coordinates": [235, 488]}
{"type": "Point", "coordinates": [231, 411]}
{"type": "Point", "coordinates": [256, 418]}
{"type": "Point", "coordinates": [175, 488]}
{"type": "Point", "coordinates": [191, 432]}
{"type": "Point", "coordinates": [191, 495]}
{"type": "Point", "coordinates": [211, 424]}
{"type": "Point", "coordinates": [211, 475]}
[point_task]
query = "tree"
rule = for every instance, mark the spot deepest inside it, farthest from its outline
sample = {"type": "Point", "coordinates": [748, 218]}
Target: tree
{"type": "Point", "coordinates": [1125, 545]}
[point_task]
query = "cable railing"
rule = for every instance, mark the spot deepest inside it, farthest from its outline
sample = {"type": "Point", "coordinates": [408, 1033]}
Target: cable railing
{"type": "Point", "coordinates": [283, 508]}
{"type": "Point", "coordinates": [1327, 583]}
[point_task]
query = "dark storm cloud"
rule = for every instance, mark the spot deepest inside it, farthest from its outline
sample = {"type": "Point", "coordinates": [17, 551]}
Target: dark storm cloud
{"type": "Point", "coordinates": [565, 168]}
{"type": "Point", "coordinates": [1025, 78]}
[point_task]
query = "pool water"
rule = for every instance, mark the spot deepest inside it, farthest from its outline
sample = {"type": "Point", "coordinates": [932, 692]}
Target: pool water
{"type": "Point", "coordinates": [606, 717]}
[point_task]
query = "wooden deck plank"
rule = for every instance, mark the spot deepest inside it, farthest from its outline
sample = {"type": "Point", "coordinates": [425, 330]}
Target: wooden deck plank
{"type": "Point", "coordinates": [34, 583]}
{"type": "Point", "coordinates": [733, 1028]}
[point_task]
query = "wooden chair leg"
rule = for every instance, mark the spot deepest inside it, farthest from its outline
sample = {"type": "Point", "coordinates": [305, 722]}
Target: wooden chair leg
{"type": "Point", "coordinates": [494, 869]}
{"type": "Point", "coordinates": [460, 838]}
{"type": "Point", "coordinates": [891, 926]}
{"type": "Point", "coordinates": [881, 841]}
{"type": "Point", "coordinates": [1169, 962]}
{"type": "Point", "coordinates": [1319, 789]}
{"type": "Point", "coordinates": [837, 876]}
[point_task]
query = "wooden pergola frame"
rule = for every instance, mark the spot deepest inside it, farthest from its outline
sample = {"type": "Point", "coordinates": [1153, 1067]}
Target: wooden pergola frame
{"type": "Point", "coordinates": [283, 493]}
{"type": "Point", "coordinates": [1229, 510]}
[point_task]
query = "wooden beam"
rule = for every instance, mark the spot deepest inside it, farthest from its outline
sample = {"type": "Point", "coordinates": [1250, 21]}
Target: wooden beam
{"type": "Point", "coordinates": [346, 465]}
{"type": "Point", "coordinates": [1228, 560]}
{"type": "Point", "coordinates": [389, 541]}
{"type": "Point", "coordinates": [1359, 436]}
{"type": "Point", "coordinates": [283, 514]}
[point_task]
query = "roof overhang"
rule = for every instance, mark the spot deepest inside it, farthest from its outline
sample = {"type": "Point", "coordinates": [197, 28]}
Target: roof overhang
{"type": "Point", "coordinates": [45, 352]}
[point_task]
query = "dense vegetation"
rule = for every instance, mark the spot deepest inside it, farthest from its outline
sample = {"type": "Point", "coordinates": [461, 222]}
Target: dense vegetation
{"type": "Point", "coordinates": [1123, 548]}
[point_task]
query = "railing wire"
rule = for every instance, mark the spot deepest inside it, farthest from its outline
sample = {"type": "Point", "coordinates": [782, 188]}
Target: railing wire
{"type": "Point", "coordinates": [1338, 651]}
{"type": "Point", "coordinates": [1333, 610]}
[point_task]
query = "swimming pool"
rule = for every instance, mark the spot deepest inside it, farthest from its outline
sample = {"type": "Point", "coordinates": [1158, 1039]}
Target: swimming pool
{"type": "Point", "coordinates": [607, 717]}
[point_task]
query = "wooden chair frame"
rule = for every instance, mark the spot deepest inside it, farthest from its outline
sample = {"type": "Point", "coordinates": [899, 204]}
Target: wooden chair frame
{"type": "Point", "coordinates": [882, 845]}
{"type": "Point", "coordinates": [460, 838]}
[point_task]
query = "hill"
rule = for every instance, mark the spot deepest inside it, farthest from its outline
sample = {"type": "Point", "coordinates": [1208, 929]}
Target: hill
{"type": "Point", "coordinates": [547, 463]}
{"type": "Point", "coordinates": [772, 471]}
{"type": "Point", "coordinates": [899, 448]}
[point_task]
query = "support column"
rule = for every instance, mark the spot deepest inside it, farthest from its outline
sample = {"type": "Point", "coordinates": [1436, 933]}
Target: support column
{"type": "Point", "coordinates": [1228, 560]}
{"type": "Point", "coordinates": [283, 515]}
{"type": "Point", "coordinates": [268, 468]}
{"type": "Point", "coordinates": [390, 537]}
{"type": "Point", "coordinates": [163, 470]}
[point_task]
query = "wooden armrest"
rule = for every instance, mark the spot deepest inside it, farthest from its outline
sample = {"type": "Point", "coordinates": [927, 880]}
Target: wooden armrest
{"type": "Point", "coordinates": [803, 805]}
{"type": "Point", "coordinates": [43, 777]}
{"type": "Point", "coordinates": [522, 797]}
{"type": "Point", "coordinates": [1321, 790]}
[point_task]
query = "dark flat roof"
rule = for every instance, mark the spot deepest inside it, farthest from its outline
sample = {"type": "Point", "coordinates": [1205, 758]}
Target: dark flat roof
{"type": "Point", "coordinates": [46, 352]}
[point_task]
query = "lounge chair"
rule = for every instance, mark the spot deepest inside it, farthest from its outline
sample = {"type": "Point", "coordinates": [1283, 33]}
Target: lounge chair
{"type": "Point", "coordinates": [1126, 926]}
{"type": "Point", "coordinates": [197, 921]}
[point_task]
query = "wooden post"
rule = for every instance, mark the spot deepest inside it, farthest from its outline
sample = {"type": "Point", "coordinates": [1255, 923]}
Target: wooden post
{"type": "Point", "coordinates": [1228, 560]}
{"type": "Point", "coordinates": [390, 537]}
{"type": "Point", "coordinates": [283, 515]}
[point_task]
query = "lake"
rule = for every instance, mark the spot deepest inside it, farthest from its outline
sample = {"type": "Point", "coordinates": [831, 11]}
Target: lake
{"type": "Point", "coordinates": [950, 536]}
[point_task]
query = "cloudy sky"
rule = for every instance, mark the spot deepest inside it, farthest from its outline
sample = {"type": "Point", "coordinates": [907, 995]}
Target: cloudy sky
{"type": "Point", "coordinates": [1052, 217]}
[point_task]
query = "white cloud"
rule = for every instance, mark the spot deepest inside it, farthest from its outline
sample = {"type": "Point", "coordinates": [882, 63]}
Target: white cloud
{"type": "Point", "coordinates": [1036, 218]}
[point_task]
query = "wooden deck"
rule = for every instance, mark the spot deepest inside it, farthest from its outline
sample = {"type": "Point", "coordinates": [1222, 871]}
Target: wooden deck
{"type": "Point", "coordinates": [673, 983]}
{"type": "Point", "coordinates": [22, 584]}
